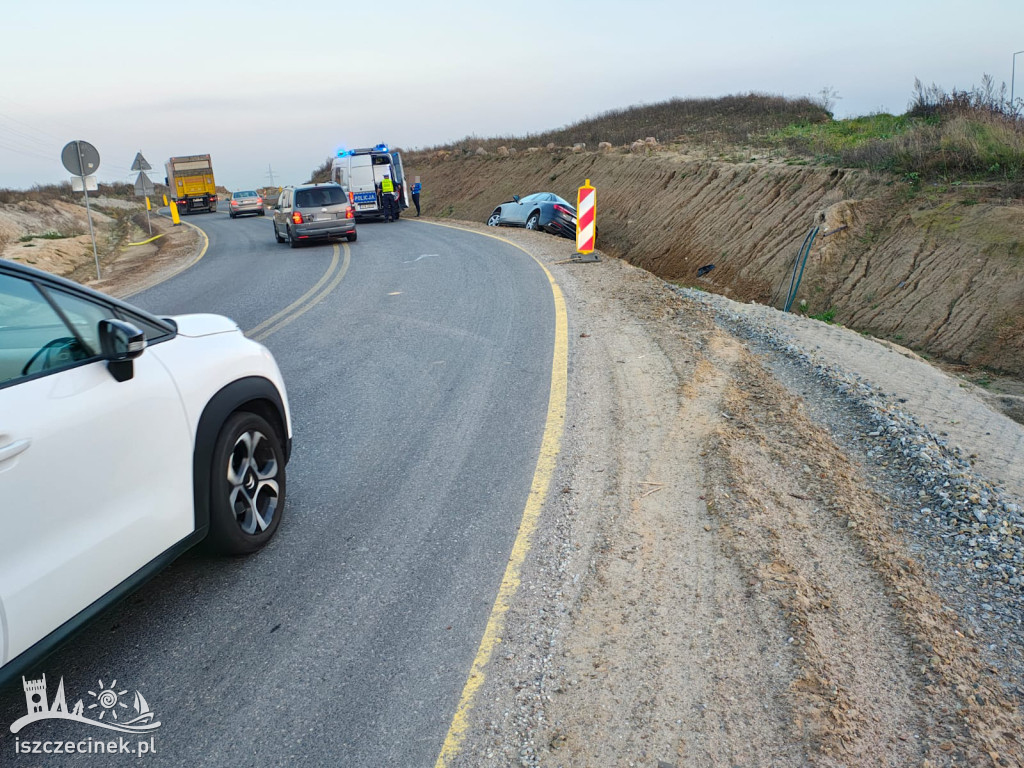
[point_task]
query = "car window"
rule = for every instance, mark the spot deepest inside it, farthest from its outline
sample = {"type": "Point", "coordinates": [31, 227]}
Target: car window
{"type": "Point", "coordinates": [84, 317]}
{"type": "Point", "coordinates": [557, 199]}
{"type": "Point", "coordinates": [305, 198]}
{"type": "Point", "coordinates": [530, 198]}
{"type": "Point", "coordinates": [33, 337]}
{"type": "Point", "coordinates": [239, 195]}
{"type": "Point", "coordinates": [153, 331]}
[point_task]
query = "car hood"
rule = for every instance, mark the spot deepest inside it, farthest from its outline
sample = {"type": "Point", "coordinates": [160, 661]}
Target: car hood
{"type": "Point", "coordinates": [204, 325]}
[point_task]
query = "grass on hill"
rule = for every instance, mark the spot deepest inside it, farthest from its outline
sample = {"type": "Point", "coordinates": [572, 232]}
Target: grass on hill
{"type": "Point", "coordinates": [962, 135]}
{"type": "Point", "coordinates": [44, 192]}
{"type": "Point", "coordinates": [725, 120]}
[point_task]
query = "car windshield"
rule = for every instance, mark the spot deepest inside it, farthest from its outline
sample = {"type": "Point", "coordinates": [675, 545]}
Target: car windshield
{"type": "Point", "coordinates": [237, 195]}
{"type": "Point", "coordinates": [557, 199]}
{"type": "Point", "coordinates": [306, 198]}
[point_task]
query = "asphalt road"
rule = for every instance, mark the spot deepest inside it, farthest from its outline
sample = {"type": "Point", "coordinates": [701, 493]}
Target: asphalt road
{"type": "Point", "coordinates": [418, 367]}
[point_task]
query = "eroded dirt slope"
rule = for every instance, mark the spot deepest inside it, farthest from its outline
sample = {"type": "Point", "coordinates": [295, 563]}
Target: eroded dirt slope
{"type": "Point", "coordinates": [719, 580]}
{"type": "Point", "coordinates": [53, 235]}
{"type": "Point", "coordinates": [937, 270]}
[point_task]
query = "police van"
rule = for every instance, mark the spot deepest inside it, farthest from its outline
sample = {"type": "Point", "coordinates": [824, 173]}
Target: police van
{"type": "Point", "coordinates": [361, 171]}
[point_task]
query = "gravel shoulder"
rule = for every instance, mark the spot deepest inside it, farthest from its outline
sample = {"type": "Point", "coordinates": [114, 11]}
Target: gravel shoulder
{"type": "Point", "coordinates": [765, 545]}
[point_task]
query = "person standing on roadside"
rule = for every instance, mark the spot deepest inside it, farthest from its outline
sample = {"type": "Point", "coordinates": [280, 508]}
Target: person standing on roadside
{"type": "Point", "coordinates": [416, 188]}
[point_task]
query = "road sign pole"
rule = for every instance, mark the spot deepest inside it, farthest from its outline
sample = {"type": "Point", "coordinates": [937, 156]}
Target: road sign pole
{"type": "Point", "coordinates": [88, 210]}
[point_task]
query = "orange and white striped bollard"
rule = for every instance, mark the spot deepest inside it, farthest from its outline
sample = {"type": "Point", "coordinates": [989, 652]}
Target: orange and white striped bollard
{"type": "Point", "coordinates": [586, 221]}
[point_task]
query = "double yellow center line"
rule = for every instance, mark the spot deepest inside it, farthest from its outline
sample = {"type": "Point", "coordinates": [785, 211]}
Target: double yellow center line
{"type": "Point", "coordinates": [308, 300]}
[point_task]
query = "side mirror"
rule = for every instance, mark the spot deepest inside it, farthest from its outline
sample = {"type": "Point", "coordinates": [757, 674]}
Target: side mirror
{"type": "Point", "coordinates": [120, 343]}
{"type": "Point", "coordinates": [516, 198]}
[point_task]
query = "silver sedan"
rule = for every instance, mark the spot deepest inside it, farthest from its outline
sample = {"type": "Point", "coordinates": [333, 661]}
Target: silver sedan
{"type": "Point", "coordinates": [246, 201]}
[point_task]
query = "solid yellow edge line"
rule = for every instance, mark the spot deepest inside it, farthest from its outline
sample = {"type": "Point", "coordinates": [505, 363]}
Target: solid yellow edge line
{"type": "Point", "coordinates": [323, 279]}
{"type": "Point", "coordinates": [175, 273]}
{"type": "Point", "coordinates": [313, 302]}
{"type": "Point", "coordinates": [143, 242]}
{"type": "Point", "coordinates": [546, 462]}
{"type": "Point", "coordinates": [202, 251]}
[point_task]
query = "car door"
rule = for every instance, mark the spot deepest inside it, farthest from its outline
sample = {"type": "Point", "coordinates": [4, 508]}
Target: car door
{"type": "Point", "coordinates": [519, 211]}
{"type": "Point", "coordinates": [282, 214]}
{"type": "Point", "coordinates": [95, 474]}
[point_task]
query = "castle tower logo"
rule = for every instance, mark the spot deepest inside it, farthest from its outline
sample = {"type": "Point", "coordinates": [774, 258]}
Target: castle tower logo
{"type": "Point", "coordinates": [106, 707]}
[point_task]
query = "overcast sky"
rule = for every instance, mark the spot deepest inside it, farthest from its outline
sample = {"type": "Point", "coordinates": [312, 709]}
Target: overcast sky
{"type": "Point", "coordinates": [279, 85]}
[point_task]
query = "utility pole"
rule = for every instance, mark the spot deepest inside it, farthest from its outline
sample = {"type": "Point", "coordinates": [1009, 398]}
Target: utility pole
{"type": "Point", "coordinates": [1013, 77]}
{"type": "Point", "coordinates": [270, 173]}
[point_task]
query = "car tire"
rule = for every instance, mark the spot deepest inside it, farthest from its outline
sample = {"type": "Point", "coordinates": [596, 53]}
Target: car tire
{"type": "Point", "coordinates": [247, 485]}
{"type": "Point", "coordinates": [277, 235]}
{"type": "Point", "coordinates": [292, 240]}
{"type": "Point", "coordinates": [494, 219]}
{"type": "Point", "coordinates": [231, 215]}
{"type": "Point", "coordinates": [351, 237]}
{"type": "Point", "coordinates": [534, 221]}
{"type": "Point", "coordinates": [261, 212]}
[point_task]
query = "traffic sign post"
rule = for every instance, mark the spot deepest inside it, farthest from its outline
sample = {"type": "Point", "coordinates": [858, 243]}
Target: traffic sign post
{"type": "Point", "coordinates": [586, 222]}
{"type": "Point", "coordinates": [140, 163]}
{"type": "Point", "coordinates": [81, 159]}
{"type": "Point", "coordinates": [143, 186]}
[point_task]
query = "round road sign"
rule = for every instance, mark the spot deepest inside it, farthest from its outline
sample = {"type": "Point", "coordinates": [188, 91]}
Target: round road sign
{"type": "Point", "coordinates": [80, 158]}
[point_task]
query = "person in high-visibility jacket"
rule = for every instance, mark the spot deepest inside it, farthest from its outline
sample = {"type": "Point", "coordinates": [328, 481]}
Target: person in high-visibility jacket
{"type": "Point", "coordinates": [387, 197]}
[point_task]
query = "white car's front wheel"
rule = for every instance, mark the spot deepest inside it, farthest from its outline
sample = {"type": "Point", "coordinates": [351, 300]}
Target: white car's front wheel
{"type": "Point", "coordinates": [247, 490]}
{"type": "Point", "coordinates": [494, 220]}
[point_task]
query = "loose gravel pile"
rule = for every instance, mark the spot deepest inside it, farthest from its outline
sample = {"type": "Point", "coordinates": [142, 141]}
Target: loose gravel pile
{"type": "Point", "coordinates": [969, 532]}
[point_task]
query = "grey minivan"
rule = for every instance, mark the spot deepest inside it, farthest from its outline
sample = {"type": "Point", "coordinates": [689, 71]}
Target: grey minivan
{"type": "Point", "coordinates": [313, 211]}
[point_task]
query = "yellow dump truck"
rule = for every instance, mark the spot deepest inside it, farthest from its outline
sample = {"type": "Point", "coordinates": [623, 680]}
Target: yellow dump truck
{"type": "Point", "coordinates": [190, 179]}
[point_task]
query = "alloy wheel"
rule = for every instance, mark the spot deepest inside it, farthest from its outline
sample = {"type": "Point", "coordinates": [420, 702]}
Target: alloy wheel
{"type": "Point", "coordinates": [253, 491]}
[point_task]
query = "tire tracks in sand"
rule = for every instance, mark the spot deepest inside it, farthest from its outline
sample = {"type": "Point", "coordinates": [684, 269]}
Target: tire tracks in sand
{"type": "Point", "coordinates": [748, 603]}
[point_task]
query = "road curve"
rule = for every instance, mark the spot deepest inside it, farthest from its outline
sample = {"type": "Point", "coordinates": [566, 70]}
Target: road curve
{"type": "Point", "coordinates": [418, 362]}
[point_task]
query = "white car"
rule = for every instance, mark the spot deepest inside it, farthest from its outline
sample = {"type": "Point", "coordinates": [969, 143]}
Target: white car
{"type": "Point", "coordinates": [125, 439]}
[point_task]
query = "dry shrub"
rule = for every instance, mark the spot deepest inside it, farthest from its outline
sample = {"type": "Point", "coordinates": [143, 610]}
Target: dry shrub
{"type": "Point", "coordinates": [41, 193]}
{"type": "Point", "coordinates": [729, 119]}
{"type": "Point", "coordinates": [969, 144]}
{"type": "Point", "coordinates": [322, 172]}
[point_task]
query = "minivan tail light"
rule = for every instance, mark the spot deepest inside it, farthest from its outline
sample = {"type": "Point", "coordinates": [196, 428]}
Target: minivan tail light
{"type": "Point", "coordinates": [350, 212]}
{"type": "Point", "coordinates": [297, 217]}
